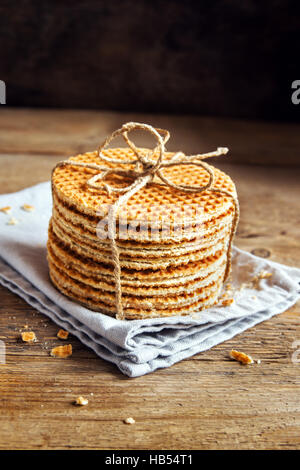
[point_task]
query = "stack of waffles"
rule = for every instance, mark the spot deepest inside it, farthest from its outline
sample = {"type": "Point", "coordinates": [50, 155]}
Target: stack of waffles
{"type": "Point", "coordinates": [173, 246]}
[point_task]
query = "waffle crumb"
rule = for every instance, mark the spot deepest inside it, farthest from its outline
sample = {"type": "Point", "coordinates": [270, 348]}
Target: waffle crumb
{"type": "Point", "coordinates": [265, 275]}
{"type": "Point", "coordinates": [12, 221]}
{"type": "Point", "coordinates": [81, 401]}
{"type": "Point", "coordinates": [129, 421]}
{"type": "Point", "coordinates": [28, 337]}
{"type": "Point", "coordinates": [6, 209]}
{"type": "Point", "coordinates": [62, 334]}
{"type": "Point", "coordinates": [227, 302]}
{"type": "Point", "coordinates": [241, 357]}
{"type": "Point", "coordinates": [254, 283]}
{"type": "Point", "coordinates": [62, 351]}
{"type": "Point", "coordinates": [262, 275]}
{"type": "Point", "coordinates": [27, 208]}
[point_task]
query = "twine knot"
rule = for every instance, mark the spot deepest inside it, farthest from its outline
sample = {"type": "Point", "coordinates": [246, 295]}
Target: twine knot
{"type": "Point", "coordinates": [148, 166]}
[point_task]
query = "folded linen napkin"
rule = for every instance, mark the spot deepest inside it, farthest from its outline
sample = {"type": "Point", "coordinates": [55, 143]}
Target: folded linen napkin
{"type": "Point", "coordinates": [140, 346]}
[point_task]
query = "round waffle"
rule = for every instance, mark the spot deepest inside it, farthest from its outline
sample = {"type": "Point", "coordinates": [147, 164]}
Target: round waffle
{"type": "Point", "coordinates": [172, 275]}
{"type": "Point", "coordinates": [101, 256]}
{"type": "Point", "coordinates": [154, 302]}
{"type": "Point", "coordinates": [93, 299]}
{"type": "Point", "coordinates": [212, 268]}
{"type": "Point", "coordinates": [187, 286]}
{"type": "Point", "coordinates": [149, 207]}
{"type": "Point", "coordinates": [172, 245]}
{"type": "Point", "coordinates": [142, 250]}
{"type": "Point", "coordinates": [88, 226]}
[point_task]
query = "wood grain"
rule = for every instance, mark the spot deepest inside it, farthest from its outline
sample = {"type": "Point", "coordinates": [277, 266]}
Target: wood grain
{"type": "Point", "coordinates": [63, 133]}
{"type": "Point", "coordinates": [205, 402]}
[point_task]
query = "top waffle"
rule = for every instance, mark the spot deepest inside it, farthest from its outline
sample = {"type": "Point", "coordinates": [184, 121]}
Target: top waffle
{"type": "Point", "coordinates": [154, 202]}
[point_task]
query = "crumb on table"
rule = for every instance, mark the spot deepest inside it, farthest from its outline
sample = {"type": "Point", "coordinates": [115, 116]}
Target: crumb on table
{"type": "Point", "coordinates": [62, 334]}
{"type": "Point", "coordinates": [62, 351]}
{"type": "Point", "coordinates": [129, 421]}
{"type": "Point", "coordinates": [81, 401]}
{"type": "Point", "coordinates": [28, 336]}
{"type": "Point", "coordinates": [241, 357]}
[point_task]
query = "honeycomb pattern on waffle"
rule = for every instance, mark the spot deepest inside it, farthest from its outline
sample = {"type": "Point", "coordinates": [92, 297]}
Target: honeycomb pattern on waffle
{"type": "Point", "coordinates": [222, 224]}
{"type": "Point", "coordinates": [87, 225]}
{"type": "Point", "coordinates": [70, 183]}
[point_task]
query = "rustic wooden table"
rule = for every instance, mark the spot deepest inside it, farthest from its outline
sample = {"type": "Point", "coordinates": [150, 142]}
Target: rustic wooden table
{"type": "Point", "coordinates": [205, 402]}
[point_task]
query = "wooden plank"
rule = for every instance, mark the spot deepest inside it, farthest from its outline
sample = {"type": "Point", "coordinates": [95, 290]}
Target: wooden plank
{"type": "Point", "coordinates": [205, 402]}
{"type": "Point", "coordinates": [67, 132]}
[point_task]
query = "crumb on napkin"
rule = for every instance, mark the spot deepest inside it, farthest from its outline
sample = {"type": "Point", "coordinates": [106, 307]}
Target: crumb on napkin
{"type": "Point", "coordinates": [254, 283]}
{"type": "Point", "coordinates": [27, 208]}
{"type": "Point", "coordinates": [227, 302]}
{"type": "Point", "coordinates": [261, 275]}
{"type": "Point", "coordinates": [6, 209]}
{"type": "Point", "coordinates": [12, 221]}
{"type": "Point", "coordinates": [62, 351]}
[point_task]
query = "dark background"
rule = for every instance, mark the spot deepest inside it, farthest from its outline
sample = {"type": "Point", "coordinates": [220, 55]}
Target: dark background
{"type": "Point", "coordinates": [222, 58]}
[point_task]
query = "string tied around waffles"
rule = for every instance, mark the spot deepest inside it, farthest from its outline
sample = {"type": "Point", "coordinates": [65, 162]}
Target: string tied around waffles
{"type": "Point", "coordinates": [142, 170]}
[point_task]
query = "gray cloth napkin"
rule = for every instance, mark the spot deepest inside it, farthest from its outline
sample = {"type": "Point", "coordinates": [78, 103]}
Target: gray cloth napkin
{"type": "Point", "coordinates": [140, 346]}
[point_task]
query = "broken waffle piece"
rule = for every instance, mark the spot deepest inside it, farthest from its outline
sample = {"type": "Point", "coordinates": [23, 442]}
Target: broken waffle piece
{"type": "Point", "coordinates": [241, 357]}
{"type": "Point", "coordinates": [27, 208]}
{"type": "Point", "coordinates": [129, 421]}
{"type": "Point", "coordinates": [80, 401]}
{"type": "Point", "coordinates": [6, 209]}
{"type": "Point", "coordinates": [28, 337]}
{"type": "Point", "coordinates": [62, 351]}
{"type": "Point", "coordinates": [62, 334]}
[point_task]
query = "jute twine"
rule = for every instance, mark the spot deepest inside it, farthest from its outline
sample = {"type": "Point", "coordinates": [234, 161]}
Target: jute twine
{"type": "Point", "coordinates": [143, 172]}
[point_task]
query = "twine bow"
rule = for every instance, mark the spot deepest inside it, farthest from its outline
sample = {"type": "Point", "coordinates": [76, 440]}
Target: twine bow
{"type": "Point", "coordinates": [145, 168]}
